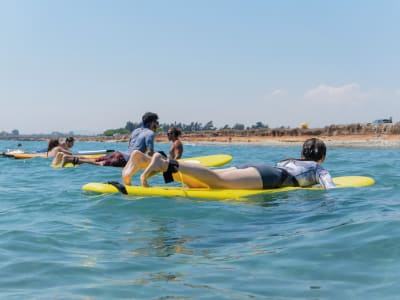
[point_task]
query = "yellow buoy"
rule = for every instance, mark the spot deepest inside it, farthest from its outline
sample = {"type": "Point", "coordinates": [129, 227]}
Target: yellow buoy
{"type": "Point", "coordinates": [304, 125]}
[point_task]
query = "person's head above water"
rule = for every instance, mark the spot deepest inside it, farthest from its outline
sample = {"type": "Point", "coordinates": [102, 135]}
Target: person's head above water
{"type": "Point", "coordinates": [174, 132]}
{"type": "Point", "coordinates": [149, 117]}
{"type": "Point", "coordinates": [69, 141]}
{"type": "Point", "coordinates": [314, 149]}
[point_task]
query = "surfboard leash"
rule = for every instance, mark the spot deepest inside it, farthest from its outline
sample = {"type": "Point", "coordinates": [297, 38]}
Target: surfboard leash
{"type": "Point", "coordinates": [119, 186]}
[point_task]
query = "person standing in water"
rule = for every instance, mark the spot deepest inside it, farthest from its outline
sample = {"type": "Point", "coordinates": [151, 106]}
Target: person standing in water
{"type": "Point", "coordinates": [176, 150]}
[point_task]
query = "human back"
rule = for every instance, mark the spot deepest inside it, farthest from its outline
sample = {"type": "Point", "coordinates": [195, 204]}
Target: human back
{"type": "Point", "coordinates": [141, 139]}
{"type": "Point", "coordinates": [307, 170]}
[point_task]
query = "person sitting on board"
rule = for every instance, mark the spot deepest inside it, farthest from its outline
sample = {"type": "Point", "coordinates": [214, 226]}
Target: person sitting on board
{"type": "Point", "coordinates": [303, 172]}
{"type": "Point", "coordinates": [54, 147]}
{"type": "Point", "coordinates": [141, 139]}
{"type": "Point", "coordinates": [176, 150]}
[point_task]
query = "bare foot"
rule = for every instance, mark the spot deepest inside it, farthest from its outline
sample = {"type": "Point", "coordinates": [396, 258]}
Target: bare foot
{"type": "Point", "coordinates": [58, 159]}
{"type": "Point", "coordinates": [137, 161]}
{"type": "Point", "coordinates": [143, 181]}
{"type": "Point", "coordinates": [157, 164]}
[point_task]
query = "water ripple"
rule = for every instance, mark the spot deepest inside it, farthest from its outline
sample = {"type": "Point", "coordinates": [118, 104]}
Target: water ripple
{"type": "Point", "coordinates": [57, 242]}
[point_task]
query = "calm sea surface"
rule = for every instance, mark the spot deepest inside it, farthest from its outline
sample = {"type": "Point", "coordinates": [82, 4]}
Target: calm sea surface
{"type": "Point", "coordinates": [57, 242]}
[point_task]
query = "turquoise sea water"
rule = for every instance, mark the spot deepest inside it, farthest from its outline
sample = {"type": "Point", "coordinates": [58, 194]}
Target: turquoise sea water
{"type": "Point", "coordinates": [57, 242]}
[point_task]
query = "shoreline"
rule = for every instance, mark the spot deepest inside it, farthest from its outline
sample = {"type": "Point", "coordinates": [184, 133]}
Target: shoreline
{"type": "Point", "coordinates": [343, 140]}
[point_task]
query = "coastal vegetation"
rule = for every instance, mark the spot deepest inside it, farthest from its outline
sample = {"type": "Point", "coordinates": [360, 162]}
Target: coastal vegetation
{"type": "Point", "coordinates": [209, 131]}
{"type": "Point", "coordinates": [192, 127]}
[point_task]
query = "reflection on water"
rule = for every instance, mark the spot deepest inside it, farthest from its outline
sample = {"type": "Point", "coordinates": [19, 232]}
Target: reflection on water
{"type": "Point", "coordinates": [161, 241]}
{"type": "Point", "coordinates": [161, 246]}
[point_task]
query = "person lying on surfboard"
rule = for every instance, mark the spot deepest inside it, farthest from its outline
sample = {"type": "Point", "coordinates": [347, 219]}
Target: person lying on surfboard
{"type": "Point", "coordinates": [54, 147]}
{"type": "Point", "coordinates": [141, 139]}
{"type": "Point", "coordinates": [306, 171]}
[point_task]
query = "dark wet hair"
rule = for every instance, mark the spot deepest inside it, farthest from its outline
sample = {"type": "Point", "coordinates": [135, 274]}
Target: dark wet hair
{"type": "Point", "coordinates": [314, 149]}
{"type": "Point", "coordinates": [69, 139]}
{"type": "Point", "coordinates": [175, 131]}
{"type": "Point", "coordinates": [149, 117]}
{"type": "Point", "coordinates": [52, 144]}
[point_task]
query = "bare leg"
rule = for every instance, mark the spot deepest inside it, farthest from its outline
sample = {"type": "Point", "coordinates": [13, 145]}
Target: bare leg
{"type": "Point", "coordinates": [232, 178]}
{"type": "Point", "coordinates": [157, 164]}
{"type": "Point", "coordinates": [57, 159]}
{"type": "Point", "coordinates": [136, 162]}
{"type": "Point", "coordinates": [70, 159]}
{"type": "Point", "coordinates": [66, 159]}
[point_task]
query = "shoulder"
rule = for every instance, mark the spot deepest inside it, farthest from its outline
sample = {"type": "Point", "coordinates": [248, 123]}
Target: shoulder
{"type": "Point", "coordinates": [286, 161]}
{"type": "Point", "coordinates": [149, 133]}
{"type": "Point", "coordinates": [320, 167]}
{"type": "Point", "coordinates": [142, 131]}
{"type": "Point", "coordinates": [178, 143]}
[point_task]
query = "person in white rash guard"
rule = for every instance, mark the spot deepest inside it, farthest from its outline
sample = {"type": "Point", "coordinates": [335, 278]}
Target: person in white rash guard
{"type": "Point", "coordinates": [303, 172]}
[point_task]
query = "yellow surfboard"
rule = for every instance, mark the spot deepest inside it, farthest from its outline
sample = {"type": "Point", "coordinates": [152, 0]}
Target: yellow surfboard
{"type": "Point", "coordinates": [218, 194]}
{"type": "Point", "coordinates": [29, 155]}
{"type": "Point", "coordinates": [44, 155]}
{"type": "Point", "coordinates": [213, 160]}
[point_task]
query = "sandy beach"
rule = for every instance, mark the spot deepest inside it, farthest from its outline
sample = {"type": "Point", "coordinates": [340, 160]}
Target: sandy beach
{"type": "Point", "coordinates": [362, 137]}
{"type": "Point", "coordinates": [363, 141]}
{"type": "Point", "coordinates": [348, 141]}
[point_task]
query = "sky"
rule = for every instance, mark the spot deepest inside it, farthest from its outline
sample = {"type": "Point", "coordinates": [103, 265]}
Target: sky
{"type": "Point", "coordinates": [92, 65]}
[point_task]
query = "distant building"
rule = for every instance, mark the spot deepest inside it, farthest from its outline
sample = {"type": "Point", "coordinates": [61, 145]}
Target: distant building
{"type": "Point", "coordinates": [381, 121]}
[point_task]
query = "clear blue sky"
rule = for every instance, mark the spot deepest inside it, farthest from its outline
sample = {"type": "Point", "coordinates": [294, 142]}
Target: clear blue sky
{"type": "Point", "coordinates": [71, 65]}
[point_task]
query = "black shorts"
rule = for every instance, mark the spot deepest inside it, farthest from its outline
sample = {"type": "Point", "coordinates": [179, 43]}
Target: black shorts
{"type": "Point", "coordinates": [272, 177]}
{"type": "Point", "coordinates": [115, 159]}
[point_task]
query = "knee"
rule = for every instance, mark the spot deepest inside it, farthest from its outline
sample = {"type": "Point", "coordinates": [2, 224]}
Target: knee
{"type": "Point", "coordinates": [157, 156]}
{"type": "Point", "coordinates": [134, 154]}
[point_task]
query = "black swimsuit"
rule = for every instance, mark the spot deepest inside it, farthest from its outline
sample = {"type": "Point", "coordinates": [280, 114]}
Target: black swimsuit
{"type": "Point", "coordinates": [272, 177]}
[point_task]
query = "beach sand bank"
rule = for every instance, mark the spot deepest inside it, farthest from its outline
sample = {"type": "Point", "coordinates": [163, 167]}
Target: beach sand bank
{"type": "Point", "coordinates": [359, 140]}
{"type": "Point", "coordinates": [363, 141]}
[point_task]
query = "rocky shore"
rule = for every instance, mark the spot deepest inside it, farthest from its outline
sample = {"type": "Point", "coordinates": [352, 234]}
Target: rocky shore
{"type": "Point", "coordinates": [353, 135]}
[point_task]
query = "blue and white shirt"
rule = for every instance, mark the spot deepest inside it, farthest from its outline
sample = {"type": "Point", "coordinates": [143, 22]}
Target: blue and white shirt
{"type": "Point", "coordinates": [307, 172]}
{"type": "Point", "coordinates": [141, 139]}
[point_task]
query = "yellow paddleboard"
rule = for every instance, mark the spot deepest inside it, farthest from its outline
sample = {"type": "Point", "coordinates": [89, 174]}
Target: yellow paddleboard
{"type": "Point", "coordinates": [214, 160]}
{"type": "Point", "coordinates": [219, 194]}
{"type": "Point", "coordinates": [29, 155]}
{"type": "Point", "coordinates": [44, 155]}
